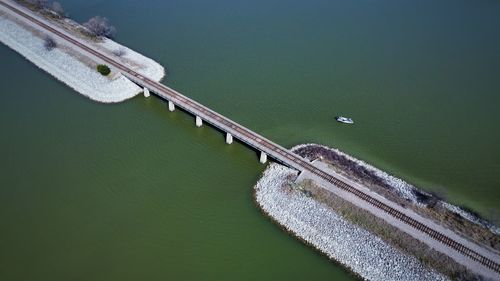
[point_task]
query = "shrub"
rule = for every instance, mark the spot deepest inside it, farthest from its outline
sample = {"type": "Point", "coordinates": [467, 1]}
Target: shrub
{"type": "Point", "coordinates": [119, 52]}
{"type": "Point", "coordinates": [49, 43]}
{"type": "Point", "coordinates": [103, 69]}
{"type": "Point", "coordinates": [38, 4]}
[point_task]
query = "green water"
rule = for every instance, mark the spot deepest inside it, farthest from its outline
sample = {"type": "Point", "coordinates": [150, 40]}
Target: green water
{"type": "Point", "coordinates": [133, 192]}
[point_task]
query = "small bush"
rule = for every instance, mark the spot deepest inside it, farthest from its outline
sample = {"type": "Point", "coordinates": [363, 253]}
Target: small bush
{"type": "Point", "coordinates": [49, 43]}
{"type": "Point", "coordinates": [38, 4]}
{"type": "Point", "coordinates": [103, 69]}
{"type": "Point", "coordinates": [119, 52]}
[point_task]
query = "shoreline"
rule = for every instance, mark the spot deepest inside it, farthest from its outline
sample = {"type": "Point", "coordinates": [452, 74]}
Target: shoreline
{"type": "Point", "coordinates": [271, 219]}
{"type": "Point", "coordinates": [69, 66]}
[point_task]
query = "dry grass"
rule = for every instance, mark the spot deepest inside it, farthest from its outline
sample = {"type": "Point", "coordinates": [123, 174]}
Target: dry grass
{"type": "Point", "coordinates": [390, 234]}
{"type": "Point", "coordinates": [428, 207]}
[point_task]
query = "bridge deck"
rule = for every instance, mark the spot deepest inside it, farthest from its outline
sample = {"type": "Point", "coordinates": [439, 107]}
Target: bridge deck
{"type": "Point", "coordinates": [258, 142]}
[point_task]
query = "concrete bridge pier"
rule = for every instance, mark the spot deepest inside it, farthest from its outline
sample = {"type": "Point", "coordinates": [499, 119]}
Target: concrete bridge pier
{"type": "Point", "coordinates": [199, 122]}
{"type": "Point", "coordinates": [171, 106]}
{"type": "Point", "coordinates": [263, 157]}
{"type": "Point", "coordinates": [146, 92]}
{"type": "Point", "coordinates": [229, 138]}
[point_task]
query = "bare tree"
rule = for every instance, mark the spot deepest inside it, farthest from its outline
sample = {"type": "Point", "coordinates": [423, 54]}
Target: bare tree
{"type": "Point", "coordinates": [49, 43]}
{"type": "Point", "coordinates": [100, 26]}
{"type": "Point", "coordinates": [57, 8]}
{"type": "Point", "coordinates": [119, 52]}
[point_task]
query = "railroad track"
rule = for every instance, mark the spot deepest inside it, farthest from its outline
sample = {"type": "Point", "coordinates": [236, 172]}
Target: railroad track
{"type": "Point", "coordinates": [277, 152]}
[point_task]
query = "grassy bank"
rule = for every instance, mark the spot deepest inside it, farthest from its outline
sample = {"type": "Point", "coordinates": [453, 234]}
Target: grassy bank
{"type": "Point", "coordinates": [390, 234]}
{"type": "Point", "coordinates": [426, 204]}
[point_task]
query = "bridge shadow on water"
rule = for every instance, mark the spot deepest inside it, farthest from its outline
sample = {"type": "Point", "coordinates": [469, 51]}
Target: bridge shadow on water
{"type": "Point", "coordinates": [160, 106]}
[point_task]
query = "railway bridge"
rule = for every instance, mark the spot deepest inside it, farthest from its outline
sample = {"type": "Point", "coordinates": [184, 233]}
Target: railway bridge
{"type": "Point", "coordinates": [452, 245]}
{"type": "Point", "coordinates": [232, 129]}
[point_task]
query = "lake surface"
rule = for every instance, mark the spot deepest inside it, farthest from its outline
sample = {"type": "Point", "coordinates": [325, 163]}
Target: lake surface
{"type": "Point", "coordinates": [133, 192]}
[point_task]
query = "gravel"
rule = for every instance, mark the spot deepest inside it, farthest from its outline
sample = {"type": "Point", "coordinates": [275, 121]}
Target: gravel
{"type": "Point", "coordinates": [358, 250]}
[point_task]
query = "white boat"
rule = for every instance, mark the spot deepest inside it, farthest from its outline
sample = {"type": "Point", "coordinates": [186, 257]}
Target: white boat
{"type": "Point", "coordinates": [343, 119]}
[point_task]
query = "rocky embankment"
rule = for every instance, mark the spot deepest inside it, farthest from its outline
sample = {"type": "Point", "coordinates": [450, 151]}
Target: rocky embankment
{"type": "Point", "coordinates": [70, 66]}
{"type": "Point", "coordinates": [350, 238]}
{"type": "Point", "coordinates": [358, 250]}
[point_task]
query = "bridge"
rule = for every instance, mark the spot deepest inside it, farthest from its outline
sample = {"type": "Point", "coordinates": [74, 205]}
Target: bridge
{"type": "Point", "coordinates": [267, 148]}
